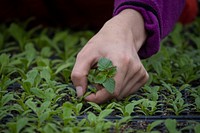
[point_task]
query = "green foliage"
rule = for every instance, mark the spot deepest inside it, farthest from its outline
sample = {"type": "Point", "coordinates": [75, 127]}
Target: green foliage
{"type": "Point", "coordinates": [18, 34]}
{"type": "Point", "coordinates": [5, 99]}
{"type": "Point", "coordinates": [196, 94]}
{"type": "Point", "coordinates": [4, 61]}
{"type": "Point", "coordinates": [104, 74]}
{"type": "Point", "coordinates": [147, 107]}
{"type": "Point", "coordinates": [197, 128]}
{"type": "Point", "coordinates": [98, 121]}
{"type": "Point", "coordinates": [104, 64]}
{"type": "Point", "coordinates": [152, 92]}
{"type": "Point", "coordinates": [178, 104]}
{"type": "Point", "coordinates": [171, 126]}
{"type": "Point", "coordinates": [37, 95]}
{"type": "Point", "coordinates": [16, 127]}
{"type": "Point", "coordinates": [151, 126]}
{"type": "Point", "coordinates": [42, 112]}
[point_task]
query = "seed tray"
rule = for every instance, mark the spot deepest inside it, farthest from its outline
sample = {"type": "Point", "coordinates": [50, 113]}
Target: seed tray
{"type": "Point", "coordinates": [142, 126]}
{"type": "Point", "coordinates": [189, 112]}
{"type": "Point", "coordinates": [150, 118]}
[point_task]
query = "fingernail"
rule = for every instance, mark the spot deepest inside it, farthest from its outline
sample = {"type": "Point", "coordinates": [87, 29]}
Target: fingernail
{"type": "Point", "coordinates": [79, 91]}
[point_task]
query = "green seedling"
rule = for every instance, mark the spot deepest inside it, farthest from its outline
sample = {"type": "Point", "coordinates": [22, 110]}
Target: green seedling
{"type": "Point", "coordinates": [152, 92]}
{"type": "Point", "coordinates": [50, 128]}
{"type": "Point", "coordinates": [178, 104]}
{"type": "Point", "coordinates": [104, 74]}
{"type": "Point", "coordinates": [197, 128]}
{"type": "Point", "coordinates": [36, 92]}
{"type": "Point", "coordinates": [196, 94]}
{"type": "Point", "coordinates": [6, 98]}
{"type": "Point", "coordinates": [67, 114]}
{"type": "Point", "coordinates": [119, 124]}
{"type": "Point", "coordinates": [5, 82]}
{"type": "Point", "coordinates": [17, 127]}
{"type": "Point", "coordinates": [153, 125]}
{"type": "Point", "coordinates": [147, 107]}
{"type": "Point", "coordinates": [98, 121]}
{"type": "Point", "coordinates": [4, 61]}
{"type": "Point", "coordinates": [42, 112]}
{"type": "Point", "coordinates": [171, 124]}
{"type": "Point", "coordinates": [95, 106]}
{"type": "Point", "coordinates": [127, 109]}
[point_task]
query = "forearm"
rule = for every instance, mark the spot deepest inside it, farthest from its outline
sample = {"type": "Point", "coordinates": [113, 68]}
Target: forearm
{"type": "Point", "coordinates": [130, 22]}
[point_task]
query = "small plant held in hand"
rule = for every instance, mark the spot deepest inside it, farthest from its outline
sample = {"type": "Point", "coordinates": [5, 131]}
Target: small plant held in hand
{"type": "Point", "coordinates": [104, 74]}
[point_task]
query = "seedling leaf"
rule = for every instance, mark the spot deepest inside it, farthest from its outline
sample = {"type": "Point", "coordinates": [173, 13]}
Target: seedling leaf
{"type": "Point", "coordinates": [43, 116]}
{"type": "Point", "coordinates": [50, 128]}
{"type": "Point", "coordinates": [95, 106]}
{"type": "Point", "coordinates": [5, 99]}
{"type": "Point", "coordinates": [125, 119]}
{"type": "Point", "coordinates": [92, 117]}
{"type": "Point", "coordinates": [197, 102]}
{"type": "Point", "coordinates": [21, 123]}
{"type": "Point", "coordinates": [104, 74]}
{"type": "Point", "coordinates": [100, 78]}
{"type": "Point", "coordinates": [171, 125]}
{"type": "Point", "coordinates": [63, 66]}
{"type": "Point", "coordinates": [17, 33]}
{"type": "Point", "coordinates": [31, 75]}
{"type": "Point", "coordinates": [105, 113]}
{"type": "Point", "coordinates": [45, 74]}
{"type": "Point", "coordinates": [38, 92]}
{"type": "Point", "coordinates": [197, 128]}
{"type": "Point", "coordinates": [44, 106]}
{"type": "Point", "coordinates": [109, 85]}
{"type": "Point", "coordinates": [153, 125]}
{"type": "Point", "coordinates": [31, 105]}
{"type": "Point", "coordinates": [129, 108]}
{"type": "Point", "coordinates": [104, 64]}
{"type": "Point", "coordinates": [67, 110]}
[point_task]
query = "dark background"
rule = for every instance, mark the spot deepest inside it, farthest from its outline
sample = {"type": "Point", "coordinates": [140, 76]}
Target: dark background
{"type": "Point", "coordinates": [73, 13]}
{"type": "Point", "coordinates": [76, 14]}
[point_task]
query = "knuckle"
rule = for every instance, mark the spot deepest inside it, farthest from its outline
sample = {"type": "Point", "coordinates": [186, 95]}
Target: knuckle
{"type": "Point", "coordinates": [138, 66]}
{"type": "Point", "coordinates": [99, 100]}
{"type": "Point", "coordinates": [119, 98]}
{"type": "Point", "coordinates": [145, 77]}
{"type": "Point", "coordinates": [126, 59]}
{"type": "Point", "coordinates": [116, 94]}
{"type": "Point", "coordinates": [75, 75]}
{"type": "Point", "coordinates": [85, 51]}
{"type": "Point", "coordinates": [90, 42]}
{"type": "Point", "coordinates": [80, 55]}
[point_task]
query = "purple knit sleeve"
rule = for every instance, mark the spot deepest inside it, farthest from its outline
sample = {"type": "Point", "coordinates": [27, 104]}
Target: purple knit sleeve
{"type": "Point", "coordinates": [159, 17]}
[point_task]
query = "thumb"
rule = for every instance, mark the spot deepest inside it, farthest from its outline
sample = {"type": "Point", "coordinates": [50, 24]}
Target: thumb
{"type": "Point", "coordinates": [79, 80]}
{"type": "Point", "coordinates": [80, 72]}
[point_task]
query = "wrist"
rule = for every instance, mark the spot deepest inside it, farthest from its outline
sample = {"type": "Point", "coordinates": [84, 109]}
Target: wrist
{"type": "Point", "coordinates": [131, 23]}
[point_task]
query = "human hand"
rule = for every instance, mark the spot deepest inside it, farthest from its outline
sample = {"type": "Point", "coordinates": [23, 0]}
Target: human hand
{"type": "Point", "coordinates": [119, 40]}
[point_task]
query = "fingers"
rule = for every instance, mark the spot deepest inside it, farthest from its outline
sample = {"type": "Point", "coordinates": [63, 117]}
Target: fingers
{"type": "Point", "coordinates": [139, 84]}
{"type": "Point", "coordinates": [136, 78]}
{"type": "Point", "coordinates": [134, 83]}
{"type": "Point", "coordinates": [131, 75]}
{"type": "Point", "coordinates": [80, 71]}
{"type": "Point", "coordinates": [101, 96]}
